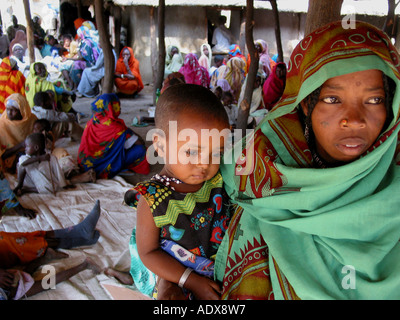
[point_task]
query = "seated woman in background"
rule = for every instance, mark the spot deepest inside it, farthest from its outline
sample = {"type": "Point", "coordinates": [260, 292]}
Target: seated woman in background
{"type": "Point", "coordinates": [173, 60]}
{"type": "Point", "coordinates": [127, 73]}
{"type": "Point", "coordinates": [205, 59]}
{"type": "Point", "coordinates": [235, 74]}
{"type": "Point", "coordinates": [274, 86]}
{"type": "Point", "coordinates": [11, 80]}
{"type": "Point", "coordinates": [16, 123]}
{"type": "Point", "coordinates": [193, 72]}
{"type": "Point", "coordinates": [37, 82]}
{"type": "Point", "coordinates": [87, 55]}
{"type": "Point", "coordinates": [108, 145]}
{"type": "Point", "coordinates": [90, 79]}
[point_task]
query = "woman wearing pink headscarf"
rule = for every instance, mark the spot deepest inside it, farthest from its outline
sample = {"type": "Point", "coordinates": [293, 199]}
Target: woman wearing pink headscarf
{"type": "Point", "coordinates": [265, 59]}
{"type": "Point", "coordinates": [193, 72]}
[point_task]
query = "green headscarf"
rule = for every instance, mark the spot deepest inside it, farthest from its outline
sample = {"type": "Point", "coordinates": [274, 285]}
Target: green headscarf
{"type": "Point", "coordinates": [34, 84]}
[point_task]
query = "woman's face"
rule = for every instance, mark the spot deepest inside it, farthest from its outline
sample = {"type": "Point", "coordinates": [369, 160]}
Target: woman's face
{"type": "Point", "coordinates": [126, 54]}
{"type": "Point", "coordinates": [349, 116]}
{"type": "Point", "coordinates": [18, 52]}
{"type": "Point", "coordinates": [40, 69]}
{"type": "Point", "coordinates": [13, 113]}
{"type": "Point", "coordinates": [205, 50]}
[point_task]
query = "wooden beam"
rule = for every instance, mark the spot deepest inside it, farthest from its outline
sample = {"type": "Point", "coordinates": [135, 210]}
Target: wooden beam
{"type": "Point", "coordinates": [29, 32]}
{"type": "Point", "coordinates": [244, 108]}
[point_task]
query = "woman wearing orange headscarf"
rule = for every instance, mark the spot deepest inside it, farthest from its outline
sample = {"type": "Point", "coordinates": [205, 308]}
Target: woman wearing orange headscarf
{"type": "Point", "coordinates": [11, 80]}
{"type": "Point", "coordinates": [16, 123]}
{"type": "Point", "coordinates": [127, 74]}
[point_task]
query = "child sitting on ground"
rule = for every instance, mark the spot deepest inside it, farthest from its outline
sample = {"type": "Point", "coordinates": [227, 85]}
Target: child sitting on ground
{"type": "Point", "coordinates": [182, 212]}
{"type": "Point", "coordinates": [62, 123]}
{"type": "Point", "coordinates": [66, 161]}
{"type": "Point", "coordinates": [37, 170]}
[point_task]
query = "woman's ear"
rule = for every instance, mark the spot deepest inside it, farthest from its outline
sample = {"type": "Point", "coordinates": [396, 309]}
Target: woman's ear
{"type": "Point", "coordinates": [304, 107]}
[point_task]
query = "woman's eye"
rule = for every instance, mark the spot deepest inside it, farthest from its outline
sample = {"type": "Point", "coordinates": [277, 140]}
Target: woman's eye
{"type": "Point", "coordinates": [330, 100]}
{"type": "Point", "coordinates": [375, 100]}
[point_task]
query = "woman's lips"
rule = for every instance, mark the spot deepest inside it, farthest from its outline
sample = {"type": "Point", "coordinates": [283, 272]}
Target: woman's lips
{"type": "Point", "coordinates": [351, 146]}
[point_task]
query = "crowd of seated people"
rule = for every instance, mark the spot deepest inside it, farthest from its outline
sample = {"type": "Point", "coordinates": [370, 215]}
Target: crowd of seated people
{"type": "Point", "coordinates": [38, 97]}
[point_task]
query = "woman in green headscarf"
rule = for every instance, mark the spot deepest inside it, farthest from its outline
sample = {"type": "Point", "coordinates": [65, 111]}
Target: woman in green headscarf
{"type": "Point", "coordinates": [173, 60]}
{"type": "Point", "coordinates": [37, 81]}
{"type": "Point", "coordinates": [317, 185]}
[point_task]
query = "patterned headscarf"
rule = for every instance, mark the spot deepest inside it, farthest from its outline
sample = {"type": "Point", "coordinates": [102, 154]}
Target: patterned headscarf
{"type": "Point", "coordinates": [193, 72]}
{"type": "Point", "coordinates": [11, 81]}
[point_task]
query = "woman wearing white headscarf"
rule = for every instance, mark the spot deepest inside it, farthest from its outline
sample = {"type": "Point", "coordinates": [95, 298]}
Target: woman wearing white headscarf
{"type": "Point", "coordinates": [206, 56]}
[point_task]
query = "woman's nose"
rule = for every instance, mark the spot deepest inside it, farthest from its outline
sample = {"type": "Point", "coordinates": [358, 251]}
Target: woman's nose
{"type": "Point", "coordinates": [354, 116]}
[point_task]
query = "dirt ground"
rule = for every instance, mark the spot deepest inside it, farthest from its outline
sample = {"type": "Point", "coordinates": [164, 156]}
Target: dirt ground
{"type": "Point", "coordinates": [137, 106]}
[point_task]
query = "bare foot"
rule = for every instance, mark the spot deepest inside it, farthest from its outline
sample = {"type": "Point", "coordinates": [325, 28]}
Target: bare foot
{"type": "Point", "coordinates": [29, 213]}
{"type": "Point", "coordinates": [123, 277]}
{"type": "Point", "coordinates": [90, 264]}
{"type": "Point", "coordinates": [92, 175]}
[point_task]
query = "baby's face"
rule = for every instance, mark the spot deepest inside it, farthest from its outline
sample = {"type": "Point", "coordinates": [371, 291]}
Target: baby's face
{"type": "Point", "coordinates": [194, 147]}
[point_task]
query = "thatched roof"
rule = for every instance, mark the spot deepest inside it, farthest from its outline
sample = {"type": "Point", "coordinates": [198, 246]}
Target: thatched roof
{"type": "Point", "coordinates": [367, 7]}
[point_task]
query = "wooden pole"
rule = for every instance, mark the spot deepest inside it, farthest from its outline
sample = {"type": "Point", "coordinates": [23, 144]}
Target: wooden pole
{"type": "Point", "coordinates": [154, 53]}
{"type": "Point", "coordinates": [161, 45]}
{"type": "Point", "coordinates": [117, 25]}
{"type": "Point", "coordinates": [29, 32]}
{"type": "Point", "coordinates": [321, 12]}
{"type": "Point", "coordinates": [244, 108]}
{"type": "Point", "coordinates": [277, 30]}
{"type": "Point", "coordinates": [108, 80]}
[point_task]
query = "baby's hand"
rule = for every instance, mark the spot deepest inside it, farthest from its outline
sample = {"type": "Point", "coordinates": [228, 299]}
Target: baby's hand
{"type": "Point", "coordinates": [203, 288]}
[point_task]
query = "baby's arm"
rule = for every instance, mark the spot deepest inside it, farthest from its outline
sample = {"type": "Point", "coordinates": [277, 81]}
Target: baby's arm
{"type": "Point", "coordinates": [161, 263]}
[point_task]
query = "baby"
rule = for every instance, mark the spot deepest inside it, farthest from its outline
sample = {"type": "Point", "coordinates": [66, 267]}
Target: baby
{"type": "Point", "coordinates": [182, 212]}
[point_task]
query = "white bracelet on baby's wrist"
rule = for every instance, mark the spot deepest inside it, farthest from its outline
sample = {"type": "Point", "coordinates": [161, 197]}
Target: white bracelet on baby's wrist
{"type": "Point", "coordinates": [184, 277]}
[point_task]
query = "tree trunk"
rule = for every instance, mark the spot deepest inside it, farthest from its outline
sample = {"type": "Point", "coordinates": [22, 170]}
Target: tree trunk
{"type": "Point", "coordinates": [117, 25]}
{"type": "Point", "coordinates": [244, 108]}
{"type": "Point", "coordinates": [277, 30]}
{"type": "Point", "coordinates": [242, 35]}
{"type": "Point", "coordinates": [161, 45]}
{"type": "Point", "coordinates": [108, 80]}
{"type": "Point", "coordinates": [29, 32]}
{"type": "Point", "coordinates": [321, 12]}
{"type": "Point", "coordinates": [154, 52]}
{"type": "Point", "coordinates": [79, 8]}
